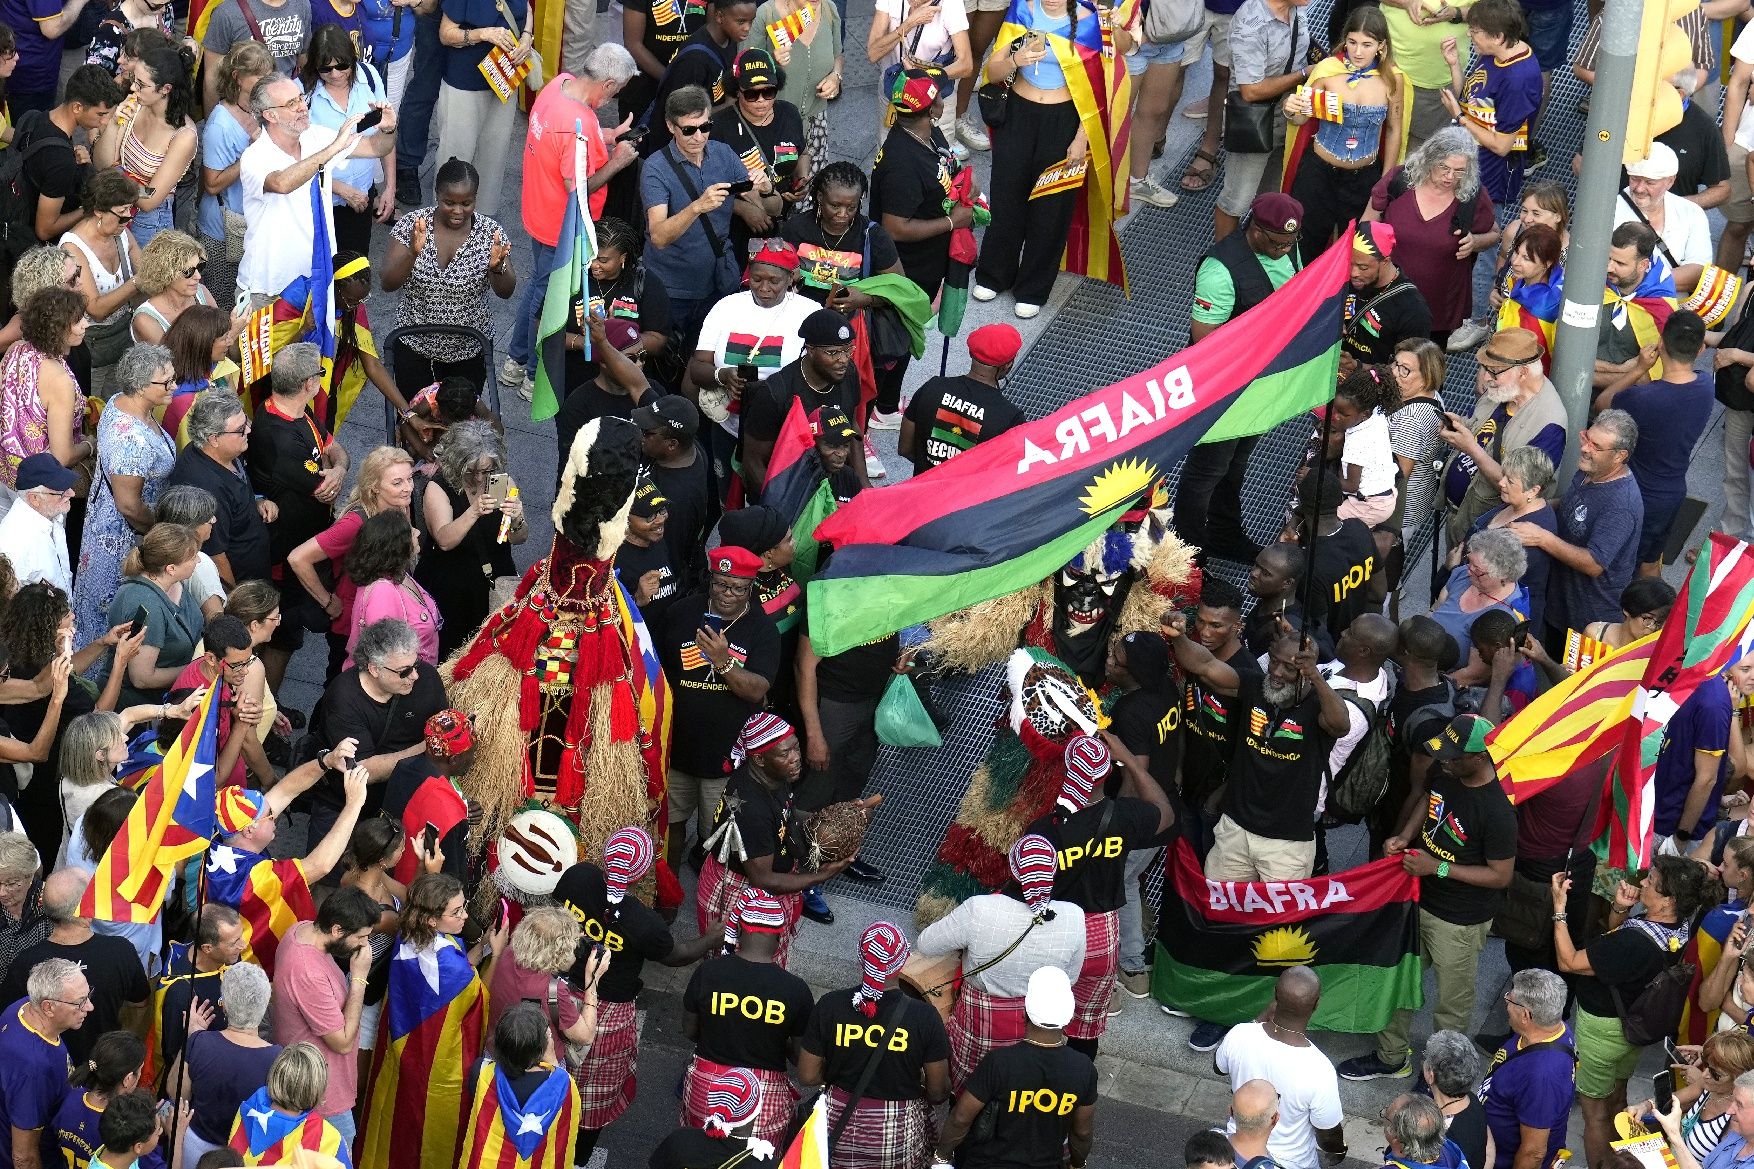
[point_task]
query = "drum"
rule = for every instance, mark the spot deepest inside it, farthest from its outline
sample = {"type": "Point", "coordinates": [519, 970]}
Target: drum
{"type": "Point", "coordinates": [937, 979]}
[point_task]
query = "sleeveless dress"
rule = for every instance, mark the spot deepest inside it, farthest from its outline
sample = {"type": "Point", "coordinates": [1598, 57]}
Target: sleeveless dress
{"type": "Point", "coordinates": [125, 446]}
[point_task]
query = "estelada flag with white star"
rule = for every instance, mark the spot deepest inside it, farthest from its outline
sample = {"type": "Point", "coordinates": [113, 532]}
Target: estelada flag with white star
{"type": "Point", "coordinates": [264, 1135]}
{"type": "Point", "coordinates": [171, 821]}
{"type": "Point", "coordinates": [1013, 510]}
{"type": "Point", "coordinates": [539, 1132]}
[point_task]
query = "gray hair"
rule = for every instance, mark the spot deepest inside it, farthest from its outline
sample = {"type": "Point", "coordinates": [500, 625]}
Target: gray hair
{"type": "Point", "coordinates": [1687, 81]}
{"type": "Point", "coordinates": [1447, 142]}
{"type": "Point", "coordinates": [245, 989]}
{"type": "Point", "coordinates": [1415, 1127]}
{"type": "Point", "coordinates": [185, 504]}
{"type": "Point", "coordinates": [140, 365]}
{"type": "Point", "coordinates": [295, 365]}
{"type": "Point", "coordinates": [260, 103]}
{"type": "Point", "coordinates": [609, 62]}
{"type": "Point", "coordinates": [18, 856]}
{"type": "Point", "coordinates": [381, 640]}
{"type": "Point", "coordinates": [207, 417]}
{"type": "Point", "coordinates": [1531, 465]}
{"type": "Point", "coordinates": [1745, 1082]}
{"type": "Point", "coordinates": [686, 100]}
{"type": "Point", "coordinates": [51, 974]}
{"type": "Point", "coordinates": [463, 445]}
{"type": "Point", "coordinates": [63, 889]}
{"type": "Point", "coordinates": [1503, 553]}
{"type": "Point", "coordinates": [1542, 994]}
{"type": "Point", "coordinates": [1621, 425]}
{"type": "Point", "coordinates": [1452, 1062]}
{"type": "Point", "coordinates": [40, 268]}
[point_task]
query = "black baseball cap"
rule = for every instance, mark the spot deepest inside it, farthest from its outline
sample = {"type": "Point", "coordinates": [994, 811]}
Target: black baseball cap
{"type": "Point", "coordinates": [672, 414]}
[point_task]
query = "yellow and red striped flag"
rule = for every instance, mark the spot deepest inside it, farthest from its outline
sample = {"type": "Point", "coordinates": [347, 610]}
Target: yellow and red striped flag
{"type": "Point", "coordinates": [787, 29]}
{"type": "Point", "coordinates": [170, 822]}
{"type": "Point", "coordinates": [809, 1149]}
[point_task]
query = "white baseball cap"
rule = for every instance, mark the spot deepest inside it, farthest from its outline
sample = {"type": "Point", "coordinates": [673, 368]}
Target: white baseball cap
{"type": "Point", "coordinates": [1660, 164]}
{"type": "Point", "coordinates": [1048, 1002]}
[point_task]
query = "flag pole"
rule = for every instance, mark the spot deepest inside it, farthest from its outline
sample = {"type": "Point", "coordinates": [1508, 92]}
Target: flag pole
{"type": "Point", "coordinates": [1320, 470]}
{"type": "Point", "coordinates": [176, 1096]}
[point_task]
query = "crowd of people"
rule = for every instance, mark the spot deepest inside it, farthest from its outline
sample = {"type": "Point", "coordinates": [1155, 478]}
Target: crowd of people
{"type": "Point", "coordinates": [178, 521]}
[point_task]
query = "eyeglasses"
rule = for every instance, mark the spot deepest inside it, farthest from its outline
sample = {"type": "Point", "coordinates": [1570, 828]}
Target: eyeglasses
{"type": "Point", "coordinates": [733, 588]}
{"type": "Point", "coordinates": [761, 94]}
{"type": "Point", "coordinates": [162, 383]}
{"type": "Point", "coordinates": [125, 218]}
{"type": "Point", "coordinates": [76, 1005]}
{"type": "Point", "coordinates": [294, 103]}
{"type": "Point", "coordinates": [404, 672]}
{"type": "Point", "coordinates": [243, 665]}
{"type": "Point", "coordinates": [15, 882]}
{"type": "Point", "coordinates": [333, 67]}
{"type": "Point", "coordinates": [1448, 171]}
{"type": "Point", "coordinates": [241, 432]}
{"type": "Point", "coordinates": [1513, 1002]}
{"type": "Point", "coordinates": [1493, 372]}
{"type": "Point", "coordinates": [691, 131]}
{"type": "Point", "coordinates": [1405, 370]}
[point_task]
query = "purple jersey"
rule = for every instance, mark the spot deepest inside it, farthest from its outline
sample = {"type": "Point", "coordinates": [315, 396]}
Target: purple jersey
{"type": "Point", "coordinates": [33, 1080]}
{"type": "Point", "coordinates": [1503, 96]}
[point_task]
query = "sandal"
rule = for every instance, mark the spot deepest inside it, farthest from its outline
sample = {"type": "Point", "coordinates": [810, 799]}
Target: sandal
{"type": "Point", "coordinates": [1198, 177]}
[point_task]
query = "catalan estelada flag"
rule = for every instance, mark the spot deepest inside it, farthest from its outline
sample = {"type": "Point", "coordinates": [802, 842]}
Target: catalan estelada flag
{"type": "Point", "coordinates": [170, 822]}
{"type": "Point", "coordinates": [271, 896]}
{"type": "Point", "coordinates": [1101, 90]}
{"type": "Point", "coordinates": [430, 1035]}
{"type": "Point", "coordinates": [1359, 929]}
{"type": "Point", "coordinates": [264, 1135]}
{"type": "Point", "coordinates": [1535, 307]}
{"type": "Point", "coordinates": [539, 1132]}
{"type": "Point", "coordinates": [1647, 309]}
{"type": "Point", "coordinates": [1013, 510]}
{"type": "Point", "coordinates": [809, 1149]}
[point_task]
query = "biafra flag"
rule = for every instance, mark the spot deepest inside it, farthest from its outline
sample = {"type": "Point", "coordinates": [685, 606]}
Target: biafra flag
{"type": "Point", "coordinates": [1358, 929]}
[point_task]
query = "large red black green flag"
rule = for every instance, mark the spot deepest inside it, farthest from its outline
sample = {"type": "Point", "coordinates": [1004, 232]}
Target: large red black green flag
{"type": "Point", "coordinates": [1013, 510]}
{"type": "Point", "coordinates": [1222, 944]}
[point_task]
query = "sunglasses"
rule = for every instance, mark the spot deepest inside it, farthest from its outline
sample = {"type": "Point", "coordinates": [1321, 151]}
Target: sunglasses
{"type": "Point", "coordinates": [128, 218]}
{"type": "Point", "coordinates": [691, 131]}
{"type": "Point", "coordinates": [761, 94]}
{"type": "Point", "coordinates": [194, 270]}
{"type": "Point", "coordinates": [404, 672]}
{"type": "Point", "coordinates": [333, 67]}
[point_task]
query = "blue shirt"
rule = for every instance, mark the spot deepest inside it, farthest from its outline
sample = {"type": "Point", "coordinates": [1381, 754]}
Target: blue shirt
{"type": "Point", "coordinates": [222, 144]}
{"type": "Point", "coordinates": [1670, 418]}
{"type": "Point", "coordinates": [1046, 73]}
{"type": "Point", "coordinates": [382, 48]}
{"type": "Point", "coordinates": [1535, 1089]}
{"type": "Point", "coordinates": [1730, 1150]}
{"type": "Point", "coordinates": [1702, 724]}
{"type": "Point", "coordinates": [1458, 624]}
{"type": "Point", "coordinates": [1540, 563]}
{"type": "Point", "coordinates": [367, 87]}
{"type": "Point", "coordinates": [1606, 518]}
{"type": "Point", "coordinates": [33, 1079]}
{"type": "Point", "coordinates": [686, 268]}
{"type": "Point", "coordinates": [463, 65]}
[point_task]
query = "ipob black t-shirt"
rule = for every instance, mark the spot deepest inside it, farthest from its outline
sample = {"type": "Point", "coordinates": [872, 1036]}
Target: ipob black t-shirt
{"type": "Point", "coordinates": [1378, 319]}
{"type": "Point", "coordinates": [1149, 722]}
{"type": "Point", "coordinates": [704, 703]}
{"type": "Point", "coordinates": [1209, 722]}
{"type": "Point", "coordinates": [907, 1030]}
{"type": "Point", "coordinates": [859, 674]}
{"type": "Point", "coordinates": [1037, 1090]}
{"type": "Point", "coordinates": [749, 1012]}
{"type": "Point", "coordinates": [1093, 859]}
{"type": "Point", "coordinates": [1464, 826]}
{"type": "Point", "coordinates": [826, 260]}
{"type": "Point", "coordinates": [285, 462]}
{"type": "Point", "coordinates": [692, 1148]}
{"type": "Point", "coordinates": [1342, 563]}
{"type": "Point", "coordinates": [911, 180]}
{"type": "Point", "coordinates": [766, 820]}
{"type": "Point", "coordinates": [633, 562]}
{"type": "Point", "coordinates": [632, 933]}
{"type": "Point", "coordinates": [952, 414]}
{"type": "Point", "coordinates": [1281, 757]}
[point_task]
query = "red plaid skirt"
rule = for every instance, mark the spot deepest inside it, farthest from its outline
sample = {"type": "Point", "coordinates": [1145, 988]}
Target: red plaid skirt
{"type": "Point", "coordinates": [883, 1134]}
{"type": "Point", "coordinates": [717, 895]}
{"type": "Point", "coordinates": [1096, 981]}
{"type": "Point", "coordinates": [980, 1023]}
{"type": "Point", "coordinates": [607, 1079]}
{"type": "Point", "coordinates": [779, 1099]}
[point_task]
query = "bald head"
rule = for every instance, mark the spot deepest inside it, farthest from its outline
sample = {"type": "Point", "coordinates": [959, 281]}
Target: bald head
{"type": "Point", "coordinates": [1255, 1106]}
{"type": "Point", "coordinates": [1295, 995]}
{"type": "Point", "coordinates": [62, 890]}
{"type": "Point", "coordinates": [1370, 638]}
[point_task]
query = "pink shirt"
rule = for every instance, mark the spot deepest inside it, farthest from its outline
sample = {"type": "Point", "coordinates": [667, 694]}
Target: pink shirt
{"type": "Point", "coordinates": [548, 159]}
{"type": "Point", "coordinates": [406, 601]}
{"type": "Point", "coordinates": [512, 984]}
{"type": "Point", "coordinates": [309, 1002]}
{"type": "Point", "coordinates": [336, 541]}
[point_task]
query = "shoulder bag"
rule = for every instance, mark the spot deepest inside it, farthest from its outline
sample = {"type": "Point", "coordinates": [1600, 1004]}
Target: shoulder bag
{"type": "Point", "coordinates": [1170, 22]}
{"type": "Point", "coordinates": [865, 1075]}
{"type": "Point", "coordinates": [713, 238]}
{"type": "Point", "coordinates": [575, 1053]}
{"type": "Point", "coordinates": [1248, 125]}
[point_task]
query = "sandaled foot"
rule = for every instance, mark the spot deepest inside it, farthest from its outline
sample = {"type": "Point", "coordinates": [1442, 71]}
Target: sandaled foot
{"type": "Point", "coordinates": [1200, 172]}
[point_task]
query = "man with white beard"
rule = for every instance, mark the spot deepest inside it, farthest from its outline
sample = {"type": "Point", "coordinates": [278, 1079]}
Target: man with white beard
{"type": "Point", "coordinates": [1516, 406]}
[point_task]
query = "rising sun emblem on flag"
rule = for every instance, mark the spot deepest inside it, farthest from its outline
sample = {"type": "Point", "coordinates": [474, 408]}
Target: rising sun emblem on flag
{"type": "Point", "coordinates": [1284, 947]}
{"type": "Point", "coordinates": [1116, 483]}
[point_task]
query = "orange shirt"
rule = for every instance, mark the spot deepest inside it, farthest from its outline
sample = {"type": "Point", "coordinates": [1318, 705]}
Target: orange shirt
{"type": "Point", "coordinates": [548, 159]}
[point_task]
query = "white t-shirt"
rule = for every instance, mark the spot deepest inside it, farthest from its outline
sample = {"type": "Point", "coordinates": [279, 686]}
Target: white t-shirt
{"type": "Point", "coordinates": [1685, 228]}
{"type": "Point", "coordinates": [1309, 1090]}
{"type": "Point", "coordinates": [1368, 447]}
{"type": "Point", "coordinates": [770, 331]}
{"type": "Point", "coordinates": [935, 38]}
{"type": "Point", "coordinates": [1743, 50]}
{"type": "Point", "coordinates": [37, 546]}
{"type": "Point", "coordinates": [280, 230]}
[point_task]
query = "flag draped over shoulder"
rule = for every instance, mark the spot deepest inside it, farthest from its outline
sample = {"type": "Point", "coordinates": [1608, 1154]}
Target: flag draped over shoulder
{"type": "Point", "coordinates": [506, 1133]}
{"type": "Point", "coordinates": [171, 821]}
{"type": "Point", "coordinates": [563, 285]}
{"type": "Point", "coordinates": [1535, 307]}
{"type": "Point", "coordinates": [434, 1020]}
{"type": "Point", "coordinates": [1647, 309]}
{"type": "Point", "coordinates": [264, 1135]}
{"type": "Point", "coordinates": [1011, 511]}
{"type": "Point", "coordinates": [1102, 91]}
{"type": "Point", "coordinates": [1359, 929]}
{"type": "Point", "coordinates": [651, 689]}
{"type": "Point", "coordinates": [798, 489]}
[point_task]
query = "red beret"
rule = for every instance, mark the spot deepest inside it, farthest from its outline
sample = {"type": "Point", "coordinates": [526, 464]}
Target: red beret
{"type": "Point", "coordinates": [729, 560]}
{"type": "Point", "coordinates": [1277, 211]}
{"type": "Point", "coordinates": [994, 344]}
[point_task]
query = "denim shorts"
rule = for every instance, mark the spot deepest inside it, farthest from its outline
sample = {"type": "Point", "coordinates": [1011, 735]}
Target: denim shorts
{"type": "Point", "coordinates": [1150, 54]}
{"type": "Point", "coordinates": [1549, 34]}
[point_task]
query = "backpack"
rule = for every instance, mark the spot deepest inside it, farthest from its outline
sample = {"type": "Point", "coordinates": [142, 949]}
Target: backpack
{"type": "Point", "coordinates": [1364, 777]}
{"type": "Point", "coordinates": [1656, 1013]}
{"type": "Point", "coordinates": [1461, 220]}
{"type": "Point", "coordinates": [1170, 22]}
{"type": "Point", "coordinates": [18, 203]}
{"type": "Point", "coordinates": [1427, 721]}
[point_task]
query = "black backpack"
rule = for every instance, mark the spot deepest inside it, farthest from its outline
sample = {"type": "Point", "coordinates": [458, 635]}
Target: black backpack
{"type": "Point", "coordinates": [1656, 1013]}
{"type": "Point", "coordinates": [18, 202]}
{"type": "Point", "coordinates": [1427, 721]}
{"type": "Point", "coordinates": [1364, 777]}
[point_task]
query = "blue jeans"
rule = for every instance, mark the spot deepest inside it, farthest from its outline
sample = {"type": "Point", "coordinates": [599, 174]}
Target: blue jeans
{"type": "Point", "coordinates": [523, 347]}
{"type": "Point", "coordinates": [1549, 33]}
{"type": "Point", "coordinates": [149, 223]}
{"type": "Point", "coordinates": [414, 117]}
{"type": "Point", "coordinates": [345, 1125]}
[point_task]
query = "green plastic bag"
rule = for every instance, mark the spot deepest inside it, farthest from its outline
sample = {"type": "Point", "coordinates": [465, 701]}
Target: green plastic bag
{"type": "Point", "coordinates": [902, 719]}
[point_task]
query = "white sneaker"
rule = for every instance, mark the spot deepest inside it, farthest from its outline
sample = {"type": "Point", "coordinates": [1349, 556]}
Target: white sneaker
{"type": "Point", "coordinates": [881, 421]}
{"type": "Point", "coordinates": [512, 374]}
{"type": "Point", "coordinates": [970, 132]}
{"type": "Point", "coordinates": [959, 149]}
{"type": "Point", "coordinates": [874, 462]}
{"type": "Point", "coordinates": [1146, 191]}
{"type": "Point", "coordinates": [982, 292]}
{"type": "Point", "coordinates": [1465, 338]}
{"type": "Point", "coordinates": [1026, 311]}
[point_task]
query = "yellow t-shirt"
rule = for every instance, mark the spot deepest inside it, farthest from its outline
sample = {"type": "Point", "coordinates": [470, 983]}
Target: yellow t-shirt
{"type": "Point", "coordinates": [1419, 48]}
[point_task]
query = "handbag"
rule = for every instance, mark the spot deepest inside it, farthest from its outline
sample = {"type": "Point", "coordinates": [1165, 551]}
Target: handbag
{"type": "Point", "coordinates": [1248, 125]}
{"type": "Point", "coordinates": [1170, 22]}
{"type": "Point", "coordinates": [1526, 917]}
{"type": "Point", "coordinates": [995, 100]}
{"type": "Point", "coordinates": [576, 1053]}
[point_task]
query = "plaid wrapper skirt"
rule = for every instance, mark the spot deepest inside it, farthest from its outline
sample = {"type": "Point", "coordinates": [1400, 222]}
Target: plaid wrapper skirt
{"type": "Point", "coordinates": [717, 895]}
{"type": "Point", "coordinates": [779, 1099]}
{"type": "Point", "coordinates": [607, 1079]}
{"type": "Point", "coordinates": [980, 1023]}
{"type": "Point", "coordinates": [883, 1134]}
{"type": "Point", "coordinates": [1096, 981]}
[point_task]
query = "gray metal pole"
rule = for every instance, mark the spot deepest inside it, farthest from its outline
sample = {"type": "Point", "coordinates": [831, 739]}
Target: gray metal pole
{"type": "Point", "coordinates": [1592, 218]}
